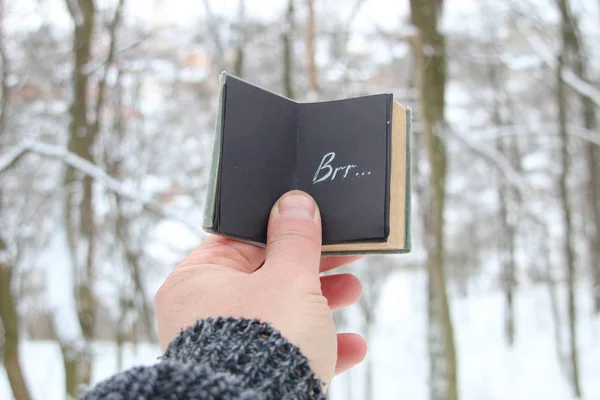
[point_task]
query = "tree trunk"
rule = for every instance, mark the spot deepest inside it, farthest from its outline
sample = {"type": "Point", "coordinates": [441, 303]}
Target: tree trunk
{"type": "Point", "coordinates": [311, 26]}
{"type": "Point", "coordinates": [508, 202]}
{"type": "Point", "coordinates": [508, 266]}
{"type": "Point", "coordinates": [593, 164]}
{"type": "Point", "coordinates": [368, 387]}
{"type": "Point", "coordinates": [131, 254]}
{"type": "Point", "coordinates": [214, 30]}
{"type": "Point", "coordinates": [120, 335]}
{"type": "Point", "coordinates": [10, 322]}
{"type": "Point", "coordinates": [241, 40]}
{"type": "Point", "coordinates": [571, 51]}
{"type": "Point", "coordinates": [426, 15]}
{"type": "Point", "coordinates": [9, 317]}
{"type": "Point", "coordinates": [288, 51]}
{"type": "Point", "coordinates": [569, 251]}
{"type": "Point", "coordinates": [79, 216]}
{"type": "Point", "coordinates": [576, 54]}
{"type": "Point", "coordinates": [553, 296]}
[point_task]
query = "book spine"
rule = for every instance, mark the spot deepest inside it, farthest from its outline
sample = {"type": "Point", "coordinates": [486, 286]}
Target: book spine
{"type": "Point", "coordinates": [210, 205]}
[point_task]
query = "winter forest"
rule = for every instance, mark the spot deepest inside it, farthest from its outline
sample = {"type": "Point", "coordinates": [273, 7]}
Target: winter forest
{"type": "Point", "coordinates": [107, 112]}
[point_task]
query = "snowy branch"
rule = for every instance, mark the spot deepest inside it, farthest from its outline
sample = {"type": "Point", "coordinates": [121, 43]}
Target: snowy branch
{"type": "Point", "coordinates": [511, 175]}
{"type": "Point", "coordinates": [58, 152]}
{"type": "Point", "coordinates": [579, 85]}
{"type": "Point", "coordinates": [547, 130]}
{"type": "Point", "coordinates": [574, 81]}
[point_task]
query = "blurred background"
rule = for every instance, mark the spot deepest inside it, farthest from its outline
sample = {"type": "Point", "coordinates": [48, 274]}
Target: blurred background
{"type": "Point", "coordinates": [107, 112]}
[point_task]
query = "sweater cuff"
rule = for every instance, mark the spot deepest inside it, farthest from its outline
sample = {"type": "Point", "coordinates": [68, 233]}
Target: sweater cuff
{"type": "Point", "coordinates": [254, 351]}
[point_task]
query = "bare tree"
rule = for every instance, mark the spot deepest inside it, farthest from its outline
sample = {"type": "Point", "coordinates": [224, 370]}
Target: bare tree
{"type": "Point", "coordinates": [569, 38]}
{"type": "Point", "coordinates": [10, 320]}
{"type": "Point", "coordinates": [311, 37]}
{"type": "Point", "coordinates": [287, 38]}
{"type": "Point", "coordinates": [9, 317]}
{"type": "Point", "coordinates": [213, 27]}
{"type": "Point", "coordinates": [580, 63]}
{"type": "Point", "coordinates": [508, 195]}
{"type": "Point", "coordinates": [80, 224]}
{"type": "Point", "coordinates": [79, 214]}
{"type": "Point", "coordinates": [426, 16]}
{"type": "Point", "coordinates": [242, 32]}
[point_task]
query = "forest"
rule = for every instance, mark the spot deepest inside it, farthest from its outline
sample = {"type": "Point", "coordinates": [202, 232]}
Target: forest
{"type": "Point", "coordinates": [107, 116]}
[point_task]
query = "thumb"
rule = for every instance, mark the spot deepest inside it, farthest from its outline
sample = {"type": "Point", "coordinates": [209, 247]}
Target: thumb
{"type": "Point", "coordinates": [294, 234]}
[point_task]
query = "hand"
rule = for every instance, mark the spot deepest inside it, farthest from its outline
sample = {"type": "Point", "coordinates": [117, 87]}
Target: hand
{"type": "Point", "coordinates": [280, 285]}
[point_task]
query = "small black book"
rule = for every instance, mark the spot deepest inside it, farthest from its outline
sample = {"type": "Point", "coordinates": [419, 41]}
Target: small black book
{"type": "Point", "coordinates": [352, 156]}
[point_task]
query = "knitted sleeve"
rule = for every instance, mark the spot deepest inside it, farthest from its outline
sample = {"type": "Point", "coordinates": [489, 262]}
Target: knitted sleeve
{"type": "Point", "coordinates": [219, 358]}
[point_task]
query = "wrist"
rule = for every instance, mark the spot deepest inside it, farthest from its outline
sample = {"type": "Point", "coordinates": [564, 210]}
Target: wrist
{"type": "Point", "coordinates": [252, 350]}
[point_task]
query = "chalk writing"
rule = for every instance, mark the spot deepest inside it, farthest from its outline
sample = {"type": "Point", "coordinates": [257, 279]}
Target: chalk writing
{"type": "Point", "coordinates": [326, 171]}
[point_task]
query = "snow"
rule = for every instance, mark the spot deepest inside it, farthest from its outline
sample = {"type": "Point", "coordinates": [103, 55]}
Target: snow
{"type": "Point", "coordinates": [488, 369]}
{"type": "Point", "coordinates": [57, 265]}
{"type": "Point", "coordinates": [45, 375]}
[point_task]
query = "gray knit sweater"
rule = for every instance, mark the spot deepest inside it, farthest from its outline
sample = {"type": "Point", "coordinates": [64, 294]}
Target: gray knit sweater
{"type": "Point", "coordinates": [219, 358]}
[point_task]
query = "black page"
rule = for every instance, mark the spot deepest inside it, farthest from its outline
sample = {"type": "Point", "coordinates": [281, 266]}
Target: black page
{"type": "Point", "coordinates": [258, 158]}
{"type": "Point", "coordinates": [353, 137]}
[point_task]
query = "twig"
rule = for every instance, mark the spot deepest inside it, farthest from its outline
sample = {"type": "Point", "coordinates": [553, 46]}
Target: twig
{"type": "Point", "coordinates": [101, 95]}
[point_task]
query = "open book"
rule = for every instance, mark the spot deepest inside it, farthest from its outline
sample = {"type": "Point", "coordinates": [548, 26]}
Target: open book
{"type": "Point", "coordinates": [351, 156]}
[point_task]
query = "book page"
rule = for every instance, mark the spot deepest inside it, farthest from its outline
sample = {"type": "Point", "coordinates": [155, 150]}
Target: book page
{"type": "Point", "coordinates": [258, 158]}
{"type": "Point", "coordinates": [343, 162]}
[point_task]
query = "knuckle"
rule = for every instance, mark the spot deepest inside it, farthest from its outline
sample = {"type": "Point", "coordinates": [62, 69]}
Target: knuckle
{"type": "Point", "coordinates": [298, 238]}
{"type": "Point", "coordinates": [297, 234]}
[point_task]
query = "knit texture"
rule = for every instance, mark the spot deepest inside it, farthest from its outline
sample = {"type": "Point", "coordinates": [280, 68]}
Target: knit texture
{"type": "Point", "coordinates": [219, 358]}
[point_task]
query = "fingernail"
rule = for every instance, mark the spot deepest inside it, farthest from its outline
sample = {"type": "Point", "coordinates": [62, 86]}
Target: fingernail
{"type": "Point", "coordinates": [297, 205]}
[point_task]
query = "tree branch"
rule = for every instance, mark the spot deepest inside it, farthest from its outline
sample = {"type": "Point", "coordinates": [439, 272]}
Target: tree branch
{"type": "Point", "coordinates": [71, 8]}
{"type": "Point", "coordinates": [214, 29]}
{"type": "Point", "coordinates": [504, 166]}
{"type": "Point", "coordinates": [109, 60]}
{"type": "Point", "coordinates": [579, 85]}
{"type": "Point", "coordinates": [546, 130]}
{"type": "Point", "coordinates": [569, 77]}
{"type": "Point", "coordinates": [60, 153]}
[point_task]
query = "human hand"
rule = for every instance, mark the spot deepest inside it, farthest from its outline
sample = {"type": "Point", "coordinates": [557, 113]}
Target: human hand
{"type": "Point", "coordinates": [279, 285]}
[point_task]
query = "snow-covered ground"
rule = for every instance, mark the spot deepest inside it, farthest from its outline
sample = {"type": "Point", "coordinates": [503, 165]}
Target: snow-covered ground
{"type": "Point", "coordinates": [488, 370]}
